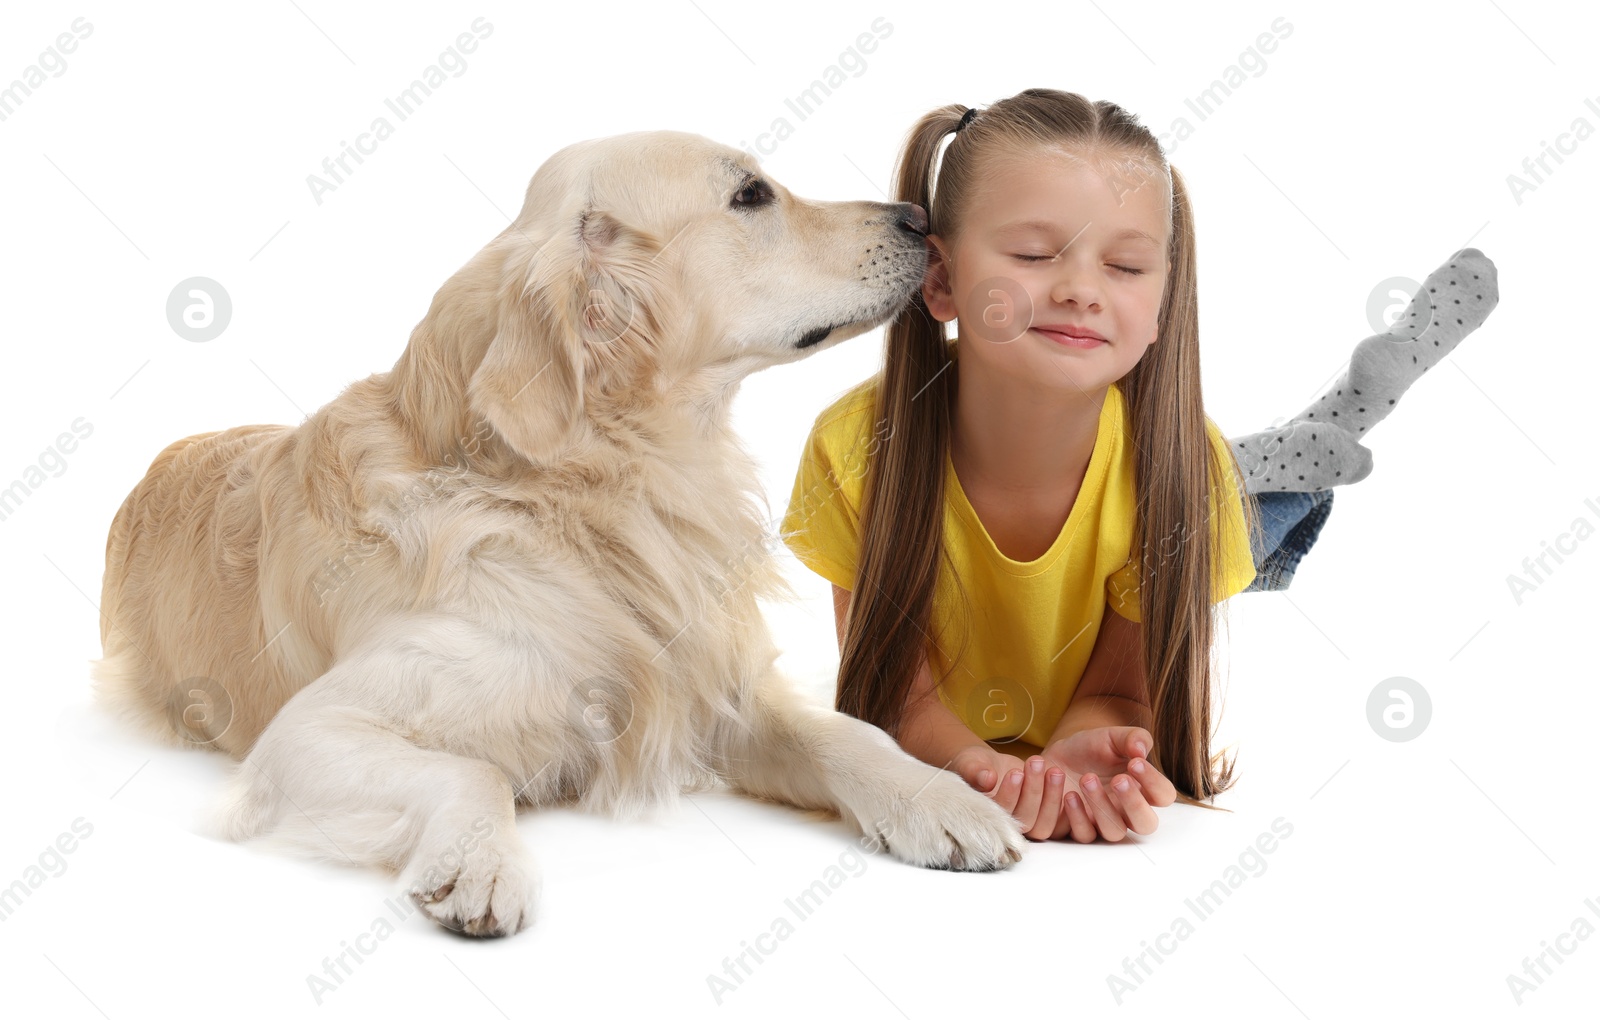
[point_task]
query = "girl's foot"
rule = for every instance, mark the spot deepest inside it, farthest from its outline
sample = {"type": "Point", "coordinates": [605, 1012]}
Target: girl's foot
{"type": "Point", "coordinates": [1451, 303]}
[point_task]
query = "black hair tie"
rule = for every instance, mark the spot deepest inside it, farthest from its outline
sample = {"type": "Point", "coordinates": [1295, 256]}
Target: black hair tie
{"type": "Point", "coordinates": [972, 111]}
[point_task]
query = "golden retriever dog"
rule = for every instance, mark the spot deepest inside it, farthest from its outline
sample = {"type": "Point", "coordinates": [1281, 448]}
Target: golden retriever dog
{"type": "Point", "coordinates": [523, 566]}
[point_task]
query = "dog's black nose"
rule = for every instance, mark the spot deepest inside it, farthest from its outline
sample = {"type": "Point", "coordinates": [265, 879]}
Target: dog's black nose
{"type": "Point", "coordinates": [914, 218]}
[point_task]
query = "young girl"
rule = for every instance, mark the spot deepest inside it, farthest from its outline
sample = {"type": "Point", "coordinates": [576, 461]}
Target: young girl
{"type": "Point", "coordinates": [1038, 512]}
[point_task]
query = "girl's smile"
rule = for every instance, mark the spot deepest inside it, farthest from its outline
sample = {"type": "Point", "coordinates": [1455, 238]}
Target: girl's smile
{"type": "Point", "coordinates": [1072, 336]}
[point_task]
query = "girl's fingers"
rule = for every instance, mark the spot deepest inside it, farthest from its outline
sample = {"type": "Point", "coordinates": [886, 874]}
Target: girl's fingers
{"type": "Point", "coordinates": [1044, 823]}
{"type": "Point", "coordinates": [1135, 742]}
{"type": "Point", "coordinates": [1027, 808]}
{"type": "Point", "coordinates": [1010, 789]}
{"type": "Point", "coordinates": [1075, 820]}
{"type": "Point", "coordinates": [1158, 789]}
{"type": "Point", "coordinates": [1141, 818]}
{"type": "Point", "coordinates": [1107, 816]}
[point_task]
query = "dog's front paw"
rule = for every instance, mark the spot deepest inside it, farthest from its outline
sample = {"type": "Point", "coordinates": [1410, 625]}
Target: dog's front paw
{"type": "Point", "coordinates": [931, 818]}
{"type": "Point", "coordinates": [487, 890]}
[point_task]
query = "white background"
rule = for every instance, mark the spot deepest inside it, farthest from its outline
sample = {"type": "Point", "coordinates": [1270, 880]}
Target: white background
{"type": "Point", "coordinates": [1376, 142]}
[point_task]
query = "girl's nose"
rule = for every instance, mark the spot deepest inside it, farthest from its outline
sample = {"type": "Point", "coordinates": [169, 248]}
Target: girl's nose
{"type": "Point", "coordinates": [1073, 282]}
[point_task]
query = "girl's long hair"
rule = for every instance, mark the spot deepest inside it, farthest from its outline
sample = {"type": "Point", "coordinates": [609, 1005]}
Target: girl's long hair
{"type": "Point", "coordinates": [901, 544]}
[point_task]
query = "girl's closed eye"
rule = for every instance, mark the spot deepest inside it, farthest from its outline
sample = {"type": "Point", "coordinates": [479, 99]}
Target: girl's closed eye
{"type": "Point", "coordinates": [1042, 258]}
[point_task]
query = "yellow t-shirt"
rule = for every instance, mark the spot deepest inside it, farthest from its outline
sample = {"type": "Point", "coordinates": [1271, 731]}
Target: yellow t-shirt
{"type": "Point", "coordinates": [1033, 624]}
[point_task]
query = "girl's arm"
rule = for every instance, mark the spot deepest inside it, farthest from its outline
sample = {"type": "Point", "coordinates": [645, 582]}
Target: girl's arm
{"type": "Point", "coordinates": [929, 730]}
{"type": "Point", "coordinates": [1113, 690]}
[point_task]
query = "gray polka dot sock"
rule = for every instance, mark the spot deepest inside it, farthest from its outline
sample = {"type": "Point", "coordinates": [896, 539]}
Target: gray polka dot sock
{"type": "Point", "coordinates": [1451, 303]}
{"type": "Point", "coordinates": [1302, 456]}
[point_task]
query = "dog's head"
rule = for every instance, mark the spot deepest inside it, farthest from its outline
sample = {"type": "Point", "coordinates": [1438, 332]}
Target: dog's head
{"type": "Point", "coordinates": [663, 259]}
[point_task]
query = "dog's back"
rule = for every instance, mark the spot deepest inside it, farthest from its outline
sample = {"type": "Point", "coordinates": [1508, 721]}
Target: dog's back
{"type": "Point", "coordinates": [168, 628]}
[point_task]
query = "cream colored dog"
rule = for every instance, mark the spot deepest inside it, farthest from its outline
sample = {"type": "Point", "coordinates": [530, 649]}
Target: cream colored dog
{"type": "Point", "coordinates": [523, 566]}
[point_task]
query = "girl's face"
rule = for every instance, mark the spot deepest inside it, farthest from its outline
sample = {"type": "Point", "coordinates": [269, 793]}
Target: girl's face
{"type": "Point", "coordinates": [1052, 241]}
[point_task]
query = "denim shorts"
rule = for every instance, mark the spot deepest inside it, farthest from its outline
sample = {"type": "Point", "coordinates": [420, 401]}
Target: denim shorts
{"type": "Point", "coordinates": [1290, 524]}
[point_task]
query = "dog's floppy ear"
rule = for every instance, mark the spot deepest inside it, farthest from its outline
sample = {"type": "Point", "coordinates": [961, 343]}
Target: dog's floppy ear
{"type": "Point", "coordinates": [566, 314]}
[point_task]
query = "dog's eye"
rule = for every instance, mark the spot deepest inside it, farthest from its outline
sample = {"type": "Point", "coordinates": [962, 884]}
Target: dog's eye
{"type": "Point", "coordinates": [755, 192]}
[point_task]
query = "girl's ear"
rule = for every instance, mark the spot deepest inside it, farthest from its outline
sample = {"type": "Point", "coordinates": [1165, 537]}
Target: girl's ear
{"type": "Point", "coordinates": [936, 292]}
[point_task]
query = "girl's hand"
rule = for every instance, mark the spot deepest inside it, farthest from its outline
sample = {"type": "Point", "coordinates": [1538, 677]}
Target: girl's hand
{"type": "Point", "coordinates": [1092, 760]}
{"type": "Point", "coordinates": [1032, 794]}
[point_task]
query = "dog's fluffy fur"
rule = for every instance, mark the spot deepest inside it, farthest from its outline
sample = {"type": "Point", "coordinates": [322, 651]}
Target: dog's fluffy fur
{"type": "Point", "coordinates": [523, 566]}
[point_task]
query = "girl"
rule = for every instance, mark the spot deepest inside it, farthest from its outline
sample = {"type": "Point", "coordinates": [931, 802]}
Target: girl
{"type": "Point", "coordinates": [1039, 512]}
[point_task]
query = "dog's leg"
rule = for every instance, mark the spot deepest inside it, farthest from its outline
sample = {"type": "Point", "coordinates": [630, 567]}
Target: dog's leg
{"type": "Point", "coordinates": [342, 782]}
{"type": "Point", "coordinates": [787, 749]}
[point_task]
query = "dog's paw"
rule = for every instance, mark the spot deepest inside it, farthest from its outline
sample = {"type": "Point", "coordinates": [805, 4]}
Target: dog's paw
{"type": "Point", "coordinates": [487, 891]}
{"type": "Point", "coordinates": [931, 818]}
